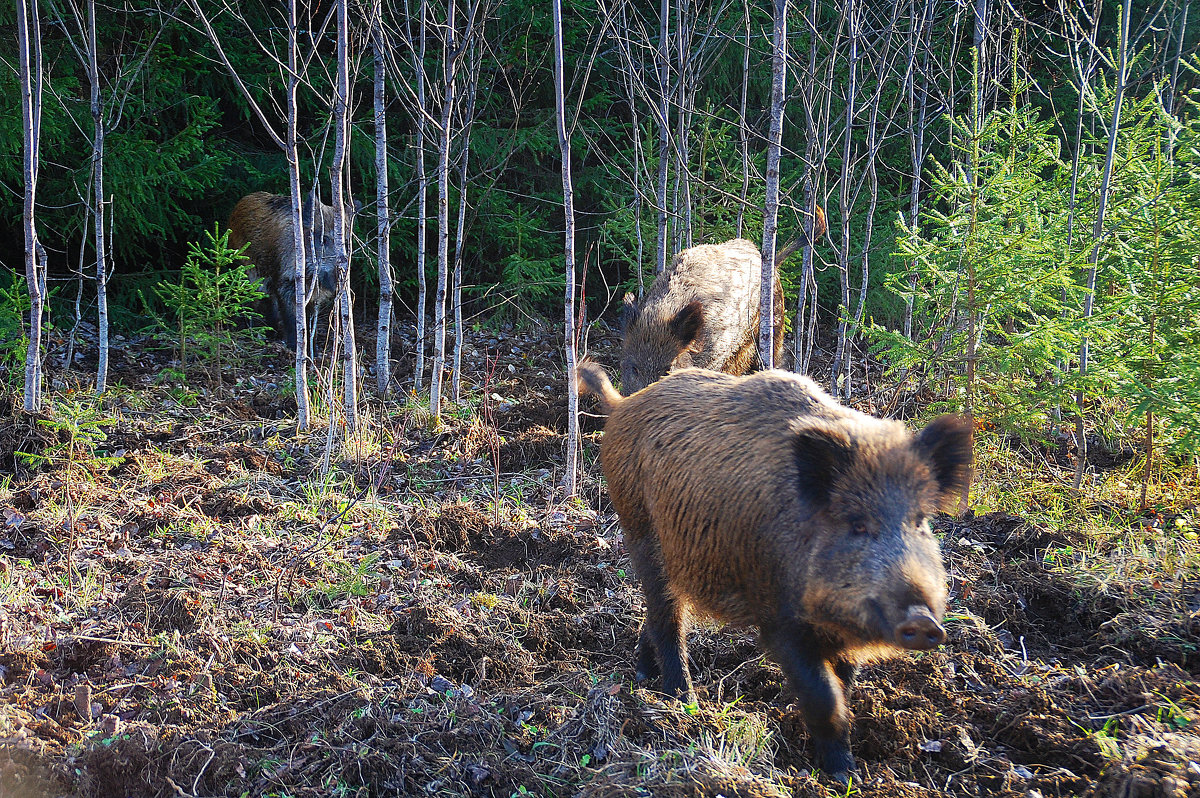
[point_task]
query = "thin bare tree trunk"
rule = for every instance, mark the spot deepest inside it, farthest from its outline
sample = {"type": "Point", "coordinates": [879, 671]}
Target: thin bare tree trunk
{"type": "Point", "coordinates": [29, 41]}
{"type": "Point", "coordinates": [460, 230]}
{"type": "Point", "coordinates": [766, 325]}
{"type": "Point", "coordinates": [917, 144]}
{"type": "Point", "coordinates": [292, 153]}
{"type": "Point", "coordinates": [982, 16]}
{"type": "Point", "coordinates": [288, 144]}
{"type": "Point", "coordinates": [1097, 235]}
{"type": "Point", "coordinates": [804, 331]}
{"type": "Point", "coordinates": [743, 125]}
{"type": "Point", "coordinates": [1085, 72]}
{"type": "Point", "coordinates": [664, 135]}
{"type": "Point", "coordinates": [881, 70]}
{"type": "Point", "coordinates": [630, 82]}
{"type": "Point", "coordinates": [341, 230]}
{"type": "Point", "coordinates": [422, 197]}
{"type": "Point", "coordinates": [564, 145]}
{"type": "Point", "coordinates": [852, 14]}
{"type": "Point", "coordinates": [1170, 101]}
{"type": "Point", "coordinates": [98, 200]}
{"type": "Point", "coordinates": [683, 116]}
{"type": "Point", "coordinates": [383, 330]}
{"type": "Point", "coordinates": [443, 176]}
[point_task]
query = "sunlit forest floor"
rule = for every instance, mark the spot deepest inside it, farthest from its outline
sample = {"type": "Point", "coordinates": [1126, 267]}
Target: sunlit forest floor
{"type": "Point", "coordinates": [189, 608]}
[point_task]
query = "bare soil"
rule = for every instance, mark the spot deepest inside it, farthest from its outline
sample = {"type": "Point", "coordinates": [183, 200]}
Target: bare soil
{"type": "Point", "coordinates": [195, 618]}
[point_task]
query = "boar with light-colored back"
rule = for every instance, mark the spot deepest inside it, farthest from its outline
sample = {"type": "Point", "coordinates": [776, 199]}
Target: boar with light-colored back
{"type": "Point", "coordinates": [761, 501]}
{"type": "Point", "coordinates": [702, 311]}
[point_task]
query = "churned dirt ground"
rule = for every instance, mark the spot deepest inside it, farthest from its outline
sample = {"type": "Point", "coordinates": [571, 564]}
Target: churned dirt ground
{"type": "Point", "coordinates": [189, 608]}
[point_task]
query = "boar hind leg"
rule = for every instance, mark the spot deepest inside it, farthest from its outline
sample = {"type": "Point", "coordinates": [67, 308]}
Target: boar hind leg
{"type": "Point", "coordinates": [822, 698]}
{"type": "Point", "coordinates": [664, 631]}
{"type": "Point", "coordinates": [647, 657]}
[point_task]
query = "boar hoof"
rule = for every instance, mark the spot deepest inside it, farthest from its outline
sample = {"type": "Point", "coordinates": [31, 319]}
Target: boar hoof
{"type": "Point", "coordinates": [835, 760]}
{"type": "Point", "coordinates": [647, 664]}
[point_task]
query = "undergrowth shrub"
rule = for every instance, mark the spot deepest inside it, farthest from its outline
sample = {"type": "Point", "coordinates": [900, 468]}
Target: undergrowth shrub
{"type": "Point", "coordinates": [999, 283]}
{"type": "Point", "coordinates": [213, 304]}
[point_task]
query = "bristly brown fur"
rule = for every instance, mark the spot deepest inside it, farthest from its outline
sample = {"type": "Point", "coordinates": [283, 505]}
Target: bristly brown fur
{"type": "Point", "coordinates": [702, 311]}
{"type": "Point", "coordinates": [264, 222]}
{"type": "Point", "coordinates": [762, 501]}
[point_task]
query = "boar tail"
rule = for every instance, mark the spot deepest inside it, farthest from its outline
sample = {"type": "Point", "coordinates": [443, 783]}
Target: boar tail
{"type": "Point", "coordinates": [820, 228]}
{"type": "Point", "coordinates": [593, 380]}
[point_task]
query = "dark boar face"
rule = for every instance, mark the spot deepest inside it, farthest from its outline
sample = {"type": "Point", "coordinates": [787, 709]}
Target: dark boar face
{"type": "Point", "coordinates": [321, 272]}
{"type": "Point", "coordinates": [653, 345]}
{"type": "Point", "coordinates": [876, 576]}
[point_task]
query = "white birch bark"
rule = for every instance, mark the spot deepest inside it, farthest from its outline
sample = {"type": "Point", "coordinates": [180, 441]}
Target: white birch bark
{"type": "Point", "coordinates": [341, 231]}
{"type": "Point", "coordinates": [460, 229]}
{"type": "Point", "coordinates": [917, 143]}
{"type": "Point", "coordinates": [419, 120]}
{"type": "Point", "coordinates": [29, 45]}
{"type": "Point", "coordinates": [664, 134]}
{"type": "Point", "coordinates": [743, 125]}
{"type": "Point", "coordinates": [1084, 73]}
{"type": "Point", "coordinates": [98, 201]}
{"type": "Point", "coordinates": [292, 155]}
{"type": "Point", "coordinates": [288, 143]}
{"type": "Point", "coordinates": [564, 144]}
{"type": "Point", "coordinates": [443, 211]}
{"type": "Point", "coordinates": [766, 327]}
{"type": "Point", "coordinates": [844, 204]}
{"type": "Point", "coordinates": [383, 329]}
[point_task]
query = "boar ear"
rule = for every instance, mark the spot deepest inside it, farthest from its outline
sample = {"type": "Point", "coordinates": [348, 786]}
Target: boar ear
{"type": "Point", "coordinates": [629, 312]}
{"type": "Point", "coordinates": [946, 442]}
{"type": "Point", "coordinates": [686, 324]}
{"type": "Point", "coordinates": [821, 456]}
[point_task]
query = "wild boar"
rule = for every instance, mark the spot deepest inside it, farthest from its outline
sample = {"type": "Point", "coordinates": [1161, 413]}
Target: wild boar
{"type": "Point", "coordinates": [703, 311]}
{"type": "Point", "coordinates": [763, 502]}
{"type": "Point", "coordinates": [264, 221]}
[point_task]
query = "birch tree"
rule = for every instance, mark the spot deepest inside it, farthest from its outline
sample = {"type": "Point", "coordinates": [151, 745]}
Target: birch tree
{"type": "Point", "coordinates": [460, 229]}
{"type": "Point", "coordinates": [341, 228]}
{"type": "Point", "coordinates": [564, 145]}
{"type": "Point", "coordinates": [289, 144]}
{"type": "Point", "coordinates": [93, 71]}
{"type": "Point", "coordinates": [1098, 237]}
{"type": "Point", "coordinates": [918, 100]}
{"type": "Point", "coordinates": [383, 338]}
{"type": "Point", "coordinates": [766, 329]}
{"type": "Point", "coordinates": [743, 123]}
{"type": "Point", "coordinates": [420, 123]}
{"type": "Point", "coordinates": [29, 46]}
{"type": "Point", "coordinates": [662, 59]}
{"type": "Point", "coordinates": [449, 66]}
{"type": "Point", "coordinates": [845, 203]}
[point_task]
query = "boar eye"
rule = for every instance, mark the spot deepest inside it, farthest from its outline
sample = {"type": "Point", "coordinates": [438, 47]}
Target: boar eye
{"type": "Point", "coordinates": [858, 529]}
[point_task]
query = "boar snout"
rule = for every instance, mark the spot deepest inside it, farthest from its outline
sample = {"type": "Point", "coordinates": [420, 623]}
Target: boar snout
{"type": "Point", "coordinates": [920, 630]}
{"type": "Point", "coordinates": [327, 278]}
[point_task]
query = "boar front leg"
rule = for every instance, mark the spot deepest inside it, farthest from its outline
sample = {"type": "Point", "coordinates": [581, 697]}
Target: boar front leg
{"type": "Point", "coordinates": [821, 695]}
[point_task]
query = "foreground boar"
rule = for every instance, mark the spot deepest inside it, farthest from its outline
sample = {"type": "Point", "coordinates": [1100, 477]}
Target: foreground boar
{"type": "Point", "coordinates": [763, 502]}
{"type": "Point", "coordinates": [703, 311]}
{"type": "Point", "coordinates": [264, 221]}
